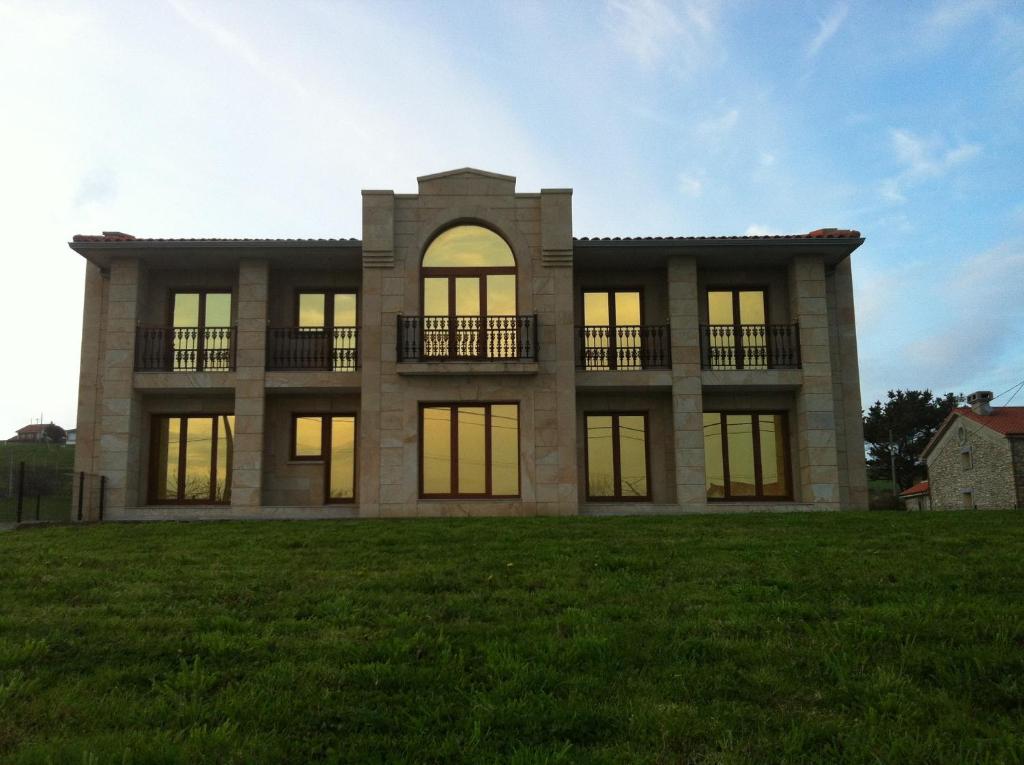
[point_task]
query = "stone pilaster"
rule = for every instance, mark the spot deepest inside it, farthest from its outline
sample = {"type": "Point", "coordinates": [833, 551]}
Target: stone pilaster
{"type": "Point", "coordinates": [90, 380]}
{"type": "Point", "coordinates": [556, 263]}
{"type": "Point", "coordinates": [120, 415]}
{"type": "Point", "coordinates": [687, 397]}
{"type": "Point", "coordinates": [847, 374]}
{"type": "Point", "coordinates": [815, 428]}
{"type": "Point", "coordinates": [250, 390]}
{"type": "Point", "coordinates": [376, 341]}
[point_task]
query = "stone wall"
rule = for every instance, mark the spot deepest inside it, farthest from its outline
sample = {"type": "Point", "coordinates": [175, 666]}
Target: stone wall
{"type": "Point", "coordinates": [990, 478]}
{"type": "Point", "coordinates": [1017, 452]}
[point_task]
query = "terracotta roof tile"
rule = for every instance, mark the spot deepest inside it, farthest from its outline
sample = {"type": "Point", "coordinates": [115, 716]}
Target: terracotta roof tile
{"type": "Point", "coordinates": [820, 233]}
{"type": "Point", "coordinates": [118, 236]}
{"type": "Point", "coordinates": [917, 488]}
{"type": "Point", "coordinates": [1008, 420]}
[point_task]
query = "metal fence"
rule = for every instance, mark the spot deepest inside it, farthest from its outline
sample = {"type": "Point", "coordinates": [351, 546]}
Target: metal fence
{"type": "Point", "coordinates": [32, 492]}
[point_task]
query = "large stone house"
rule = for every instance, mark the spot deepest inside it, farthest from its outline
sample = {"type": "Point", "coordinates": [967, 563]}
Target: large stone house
{"type": "Point", "coordinates": [469, 356]}
{"type": "Point", "coordinates": [976, 457]}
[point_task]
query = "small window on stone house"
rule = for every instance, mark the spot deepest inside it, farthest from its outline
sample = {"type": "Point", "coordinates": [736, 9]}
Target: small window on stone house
{"type": "Point", "coordinates": [968, 499]}
{"type": "Point", "coordinates": [966, 458]}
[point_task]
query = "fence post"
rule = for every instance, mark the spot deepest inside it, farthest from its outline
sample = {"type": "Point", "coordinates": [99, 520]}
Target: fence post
{"type": "Point", "coordinates": [37, 506]}
{"type": "Point", "coordinates": [21, 489]}
{"type": "Point", "coordinates": [103, 483]}
{"type": "Point", "coordinates": [81, 492]}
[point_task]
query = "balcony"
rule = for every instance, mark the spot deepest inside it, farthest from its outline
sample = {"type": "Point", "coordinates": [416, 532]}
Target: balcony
{"type": "Point", "coordinates": [749, 346]}
{"type": "Point", "coordinates": [184, 349]}
{"type": "Point", "coordinates": [467, 338]}
{"type": "Point", "coordinates": [623, 347]}
{"type": "Point", "coordinates": [313, 348]}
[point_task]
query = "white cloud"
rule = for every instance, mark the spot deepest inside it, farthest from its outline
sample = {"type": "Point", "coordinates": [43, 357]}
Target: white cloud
{"type": "Point", "coordinates": [715, 128]}
{"type": "Point", "coordinates": [950, 16]}
{"type": "Point", "coordinates": [983, 312]}
{"type": "Point", "coordinates": [766, 159]}
{"type": "Point", "coordinates": [690, 185]}
{"type": "Point", "coordinates": [651, 30]}
{"type": "Point", "coordinates": [922, 159]}
{"type": "Point", "coordinates": [756, 229]}
{"type": "Point", "coordinates": [827, 27]}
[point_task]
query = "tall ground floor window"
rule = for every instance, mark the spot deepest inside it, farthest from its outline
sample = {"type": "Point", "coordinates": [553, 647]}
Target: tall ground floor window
{"type": "Point", "coordinates": [617, 457]}
{"type": "Point", "coordinates": [746, 455]}
{"type": "Point", "coordinates": [329, 439]}
{"type": "Point", "coordinates": [191, 458]}
{"type": "Point", "coordinates": [469, 450]}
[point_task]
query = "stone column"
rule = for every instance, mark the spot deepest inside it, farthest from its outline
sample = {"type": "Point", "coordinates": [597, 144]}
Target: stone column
{"type": "Point", "coordinates": [90, 381]}
{"type": "Point", "coordinates": [847, 374]}
{"type": "Point", "coordinates": [376, 342]}
{"type": "Point", "coordinates": [119, 431]}
{"type": "Point", "coordinates": [815, 427]}
{"type": "Point", "coordinates": [558, 359]}
{"type": "Point", "coordinates": [250, 388]}
{"type": "Point", "coordinates": [687, 396]}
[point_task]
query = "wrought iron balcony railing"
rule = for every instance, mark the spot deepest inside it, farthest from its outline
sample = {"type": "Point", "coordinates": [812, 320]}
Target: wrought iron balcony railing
{"type": "Point", "coordinates": [624, 347]}
{"type": "Point", "coordinates": [313, 348]}
{"type": "Point", "coordinates": [750, 346]}
{"type": "Point", "coordinates": [184, 349]}
{"type": "Point", "coordinates": [467, 338]}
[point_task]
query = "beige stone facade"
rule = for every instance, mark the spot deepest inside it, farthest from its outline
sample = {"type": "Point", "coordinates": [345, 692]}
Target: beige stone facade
{"type": "Point", "coordinates": [806, 282]}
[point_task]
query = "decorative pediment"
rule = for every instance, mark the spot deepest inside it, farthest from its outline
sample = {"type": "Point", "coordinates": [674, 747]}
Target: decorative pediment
{"type": "Point", "coordinates": [467, 180]}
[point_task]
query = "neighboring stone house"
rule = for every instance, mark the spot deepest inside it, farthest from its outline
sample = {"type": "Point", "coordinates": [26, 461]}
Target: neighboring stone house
{"type": "Point", "coordinates": [469, 356]}
{"type": "Point", "coordinates": [976, 458]}
{"type": "Point", "coordinates": [916, 497]}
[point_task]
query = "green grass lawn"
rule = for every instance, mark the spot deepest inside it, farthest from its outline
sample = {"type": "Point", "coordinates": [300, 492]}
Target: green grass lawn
{"type": "Point", "coordinates": [874, 638]}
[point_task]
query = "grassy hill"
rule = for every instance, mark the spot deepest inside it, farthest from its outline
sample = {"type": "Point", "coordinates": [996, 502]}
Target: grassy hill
{"type": "Point", "coordinates": [804, 638]}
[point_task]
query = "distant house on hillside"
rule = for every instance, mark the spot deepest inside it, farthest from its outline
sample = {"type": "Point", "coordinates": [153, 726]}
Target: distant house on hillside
{"type": "Point", "coordinates": [39, 433]}
{"type": "Point", "coordinates": [976, 458]}
{"type": "Point", "coordinates": [916, 497]}
{"type": "Point", "coordinates": [72, 437]}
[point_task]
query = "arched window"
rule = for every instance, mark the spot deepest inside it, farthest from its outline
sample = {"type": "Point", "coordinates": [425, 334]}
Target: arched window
{"type": "Point", "coordinates": [469, 295]}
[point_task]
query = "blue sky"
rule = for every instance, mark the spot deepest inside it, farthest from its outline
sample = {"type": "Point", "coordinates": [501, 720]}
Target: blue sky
{"type": "Point", "coordinates": [187, 118]}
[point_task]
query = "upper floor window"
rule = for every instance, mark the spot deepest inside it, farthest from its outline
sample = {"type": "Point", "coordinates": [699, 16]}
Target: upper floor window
{"type": "Point", "coordinates": [469, 295]}
{"type": "Point", "coordinates": [201, 331]}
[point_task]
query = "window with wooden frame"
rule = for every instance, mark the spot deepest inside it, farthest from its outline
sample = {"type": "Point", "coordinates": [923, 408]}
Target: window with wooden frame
{"type": "Point", "coordinates": [469, 450]}
{"type": "Point", "coordinates": [746, 456]}
{"type": "Point", "coordinates": [468, 278]}
{"type": "Point", "coordinates": [737, 321]}
{"type": "Point", "coordinates": [617, 456]}
{"type": "Point", "coordinates": [329, 439]}
{"type": "Point", "coordinates": [201, 331]}
{"type": "Point", "coordinates": [612, 329]}
{"type": "Point", "coordinates": [333, 317]}
{"type": "Point", "coordinates": [190, 461]}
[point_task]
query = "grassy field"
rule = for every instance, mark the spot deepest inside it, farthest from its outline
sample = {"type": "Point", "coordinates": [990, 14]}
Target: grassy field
{"type": "Point", "coordinates": [867, 638]}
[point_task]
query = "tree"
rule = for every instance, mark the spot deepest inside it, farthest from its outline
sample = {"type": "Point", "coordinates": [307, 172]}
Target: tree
{"type": "Point", "coordinates": [54, 434]}
{"type": "Point", "coordinates": [912, 417]}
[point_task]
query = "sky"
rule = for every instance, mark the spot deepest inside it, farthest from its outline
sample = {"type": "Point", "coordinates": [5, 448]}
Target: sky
{"type": "Point", "coordinates": [249, 119]}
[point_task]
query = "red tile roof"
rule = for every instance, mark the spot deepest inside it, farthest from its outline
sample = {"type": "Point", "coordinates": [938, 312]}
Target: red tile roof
{"type": "Point", "coordinates": [820, 233]}
{"type": "Point", "coordinates": [118, 236]}
{"type": "Point", "coordinates": [33, 428]}
{"type": "Point", "coordinates": [917, 488]}
{"type": "Point", "coordinates": [1008, 420]}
